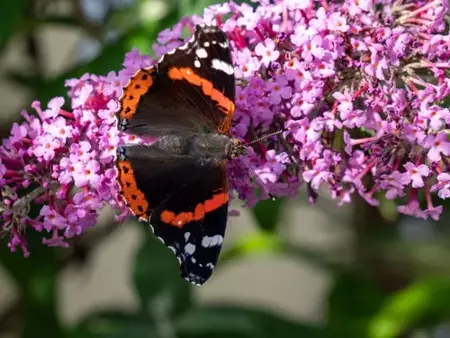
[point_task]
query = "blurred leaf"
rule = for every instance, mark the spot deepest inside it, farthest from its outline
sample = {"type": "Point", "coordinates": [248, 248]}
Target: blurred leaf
{"type": "Point", "coordinates": [388, 208]}
{"type": "Point", "coordinates": [239, 322]}
{"type": "Point", "coordinates": [446, 102]}
{"type": "Point", "coordinates": [23, 79]}
{"type": "Point", "coordinates": [422, 304]}
{"type": "Point", "coordinates": [157, 280]}
{"type": "Point", "coordinates": [152, 29]}
{"type": "Point", "coordinates": [268, 213]}
{"type": "Point", "coordinates": [12, 13]}
{"type": "Point", "coordinates": [36, 278]}
{"type": "Point", "coordinates": [338, 141]}
{"type": "Point", "coordinates": [352, 301]}
{"type": "Point", "coordinates": [114, 324]}
{"type": "Point", "coordinates": [42, 261]}
{"type": "Point", "coordinates": [259, 242]}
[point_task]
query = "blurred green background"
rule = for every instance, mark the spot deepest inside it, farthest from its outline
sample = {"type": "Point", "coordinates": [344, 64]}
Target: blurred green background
{"type": "Point", "coordinates": [287, 269]}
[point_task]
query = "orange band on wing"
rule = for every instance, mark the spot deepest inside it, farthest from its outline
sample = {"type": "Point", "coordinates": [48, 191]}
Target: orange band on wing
{"type": "Point", "coordinates": [138, 86]}
{"type": "Point", "coordinates": [134, 197]}
{"type": "Point", "coordinates": [226, 105]}
{"type": "Point", "coordinates": [179, 220]}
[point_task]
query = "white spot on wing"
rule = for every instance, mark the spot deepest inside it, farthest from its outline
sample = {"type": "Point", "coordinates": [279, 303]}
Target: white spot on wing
{"type": "Point", "coordinates": [197, 64]}
{"type": "Point", "coordinates": [216, 240]}
{"type": "Point", "coordinates": [206, 44]}
{"type": "Point", "coordinates": [212, 241]}
{"type": "Point", "coordinates": [189, 248]}
{"type": "Point", "coordinates": [187, 235]}
{"type": "Point", "coordinates": [223, 66]}
{"type": "Point", "coordinates": [224, 44]}
{"type": "Point", "coordinates": [206, 240]}
{"type": "Point", "coordinates": [201, 53]}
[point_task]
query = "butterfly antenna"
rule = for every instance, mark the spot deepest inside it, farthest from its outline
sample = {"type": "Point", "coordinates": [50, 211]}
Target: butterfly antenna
{"type": "Point", "coordinates": [265, 137]}
{"type": "Point", "coordinates": [256, 177]}
{"type": "Point", "coordinates": [251, 171]}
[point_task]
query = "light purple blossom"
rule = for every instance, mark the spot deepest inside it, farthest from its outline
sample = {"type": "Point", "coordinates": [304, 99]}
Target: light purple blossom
{"type": "Point", "coordinates": [415, 174]}
{"type": "Point", "coordinates": [266, 50]}
{"type": "Point", "coordinates": [442, 186]}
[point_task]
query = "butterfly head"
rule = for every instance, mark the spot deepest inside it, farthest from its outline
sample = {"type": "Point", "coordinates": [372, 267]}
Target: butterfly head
{"type": "Point", "coordinates": [235, 148]}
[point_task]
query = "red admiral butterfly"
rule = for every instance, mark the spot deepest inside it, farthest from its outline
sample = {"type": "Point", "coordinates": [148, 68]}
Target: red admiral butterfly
{"type": "Point", "coordinates": [179, 183]}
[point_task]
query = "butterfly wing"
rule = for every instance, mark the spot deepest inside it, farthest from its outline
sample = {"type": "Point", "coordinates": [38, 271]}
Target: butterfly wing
{"type": "Point", "coordinates": [191, 88]}
{"type": "Point", "coordinates": [185, 202]}
{"type": "Point", "coordinates": [193, 227]}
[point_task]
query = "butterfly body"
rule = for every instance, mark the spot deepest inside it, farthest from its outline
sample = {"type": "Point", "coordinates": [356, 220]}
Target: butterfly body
{"type": "Point", "coordinates": [205, 148]}
{"type": "Point", "coordinates": [178, 183]}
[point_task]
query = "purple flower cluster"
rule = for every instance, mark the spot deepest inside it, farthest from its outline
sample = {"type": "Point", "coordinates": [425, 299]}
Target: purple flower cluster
{"type": "Point", "coordinates": [360, 86]}
{"type": "Point", "coordinates": [62, 162]}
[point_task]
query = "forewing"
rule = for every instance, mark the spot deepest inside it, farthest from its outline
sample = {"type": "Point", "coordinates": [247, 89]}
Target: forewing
{"type": "Point", "coordinates": [190, 88]}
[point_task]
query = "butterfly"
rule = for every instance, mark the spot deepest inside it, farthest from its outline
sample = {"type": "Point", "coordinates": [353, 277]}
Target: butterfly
{"type": "Point", "coordinates": [178, 184]}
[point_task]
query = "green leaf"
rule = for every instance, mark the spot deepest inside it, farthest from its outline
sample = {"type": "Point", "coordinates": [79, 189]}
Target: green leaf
{"type": "Point", "coordinates": [388, 208]}
{"type": "Point", "coordinates": [241, 322]}
{"type": "Point", "coordinates": [114, 324]}
{"type": "Point", "coordinates": [423, 303]}
{"type": "Point", "coordinates": [268, 212]}
{"type": "Point", "coordinates": [157, 280]}
{"type": "Point", "coordinates": [12, 13]}
{"type": "Point", "coordinates": [42, 261]}
{"type": "Point", "coordinates": [352, 301]}
{"type": "Point", "coordinates": [257, 243]}
{"type": "Point", "coordinates": [446, 102]}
